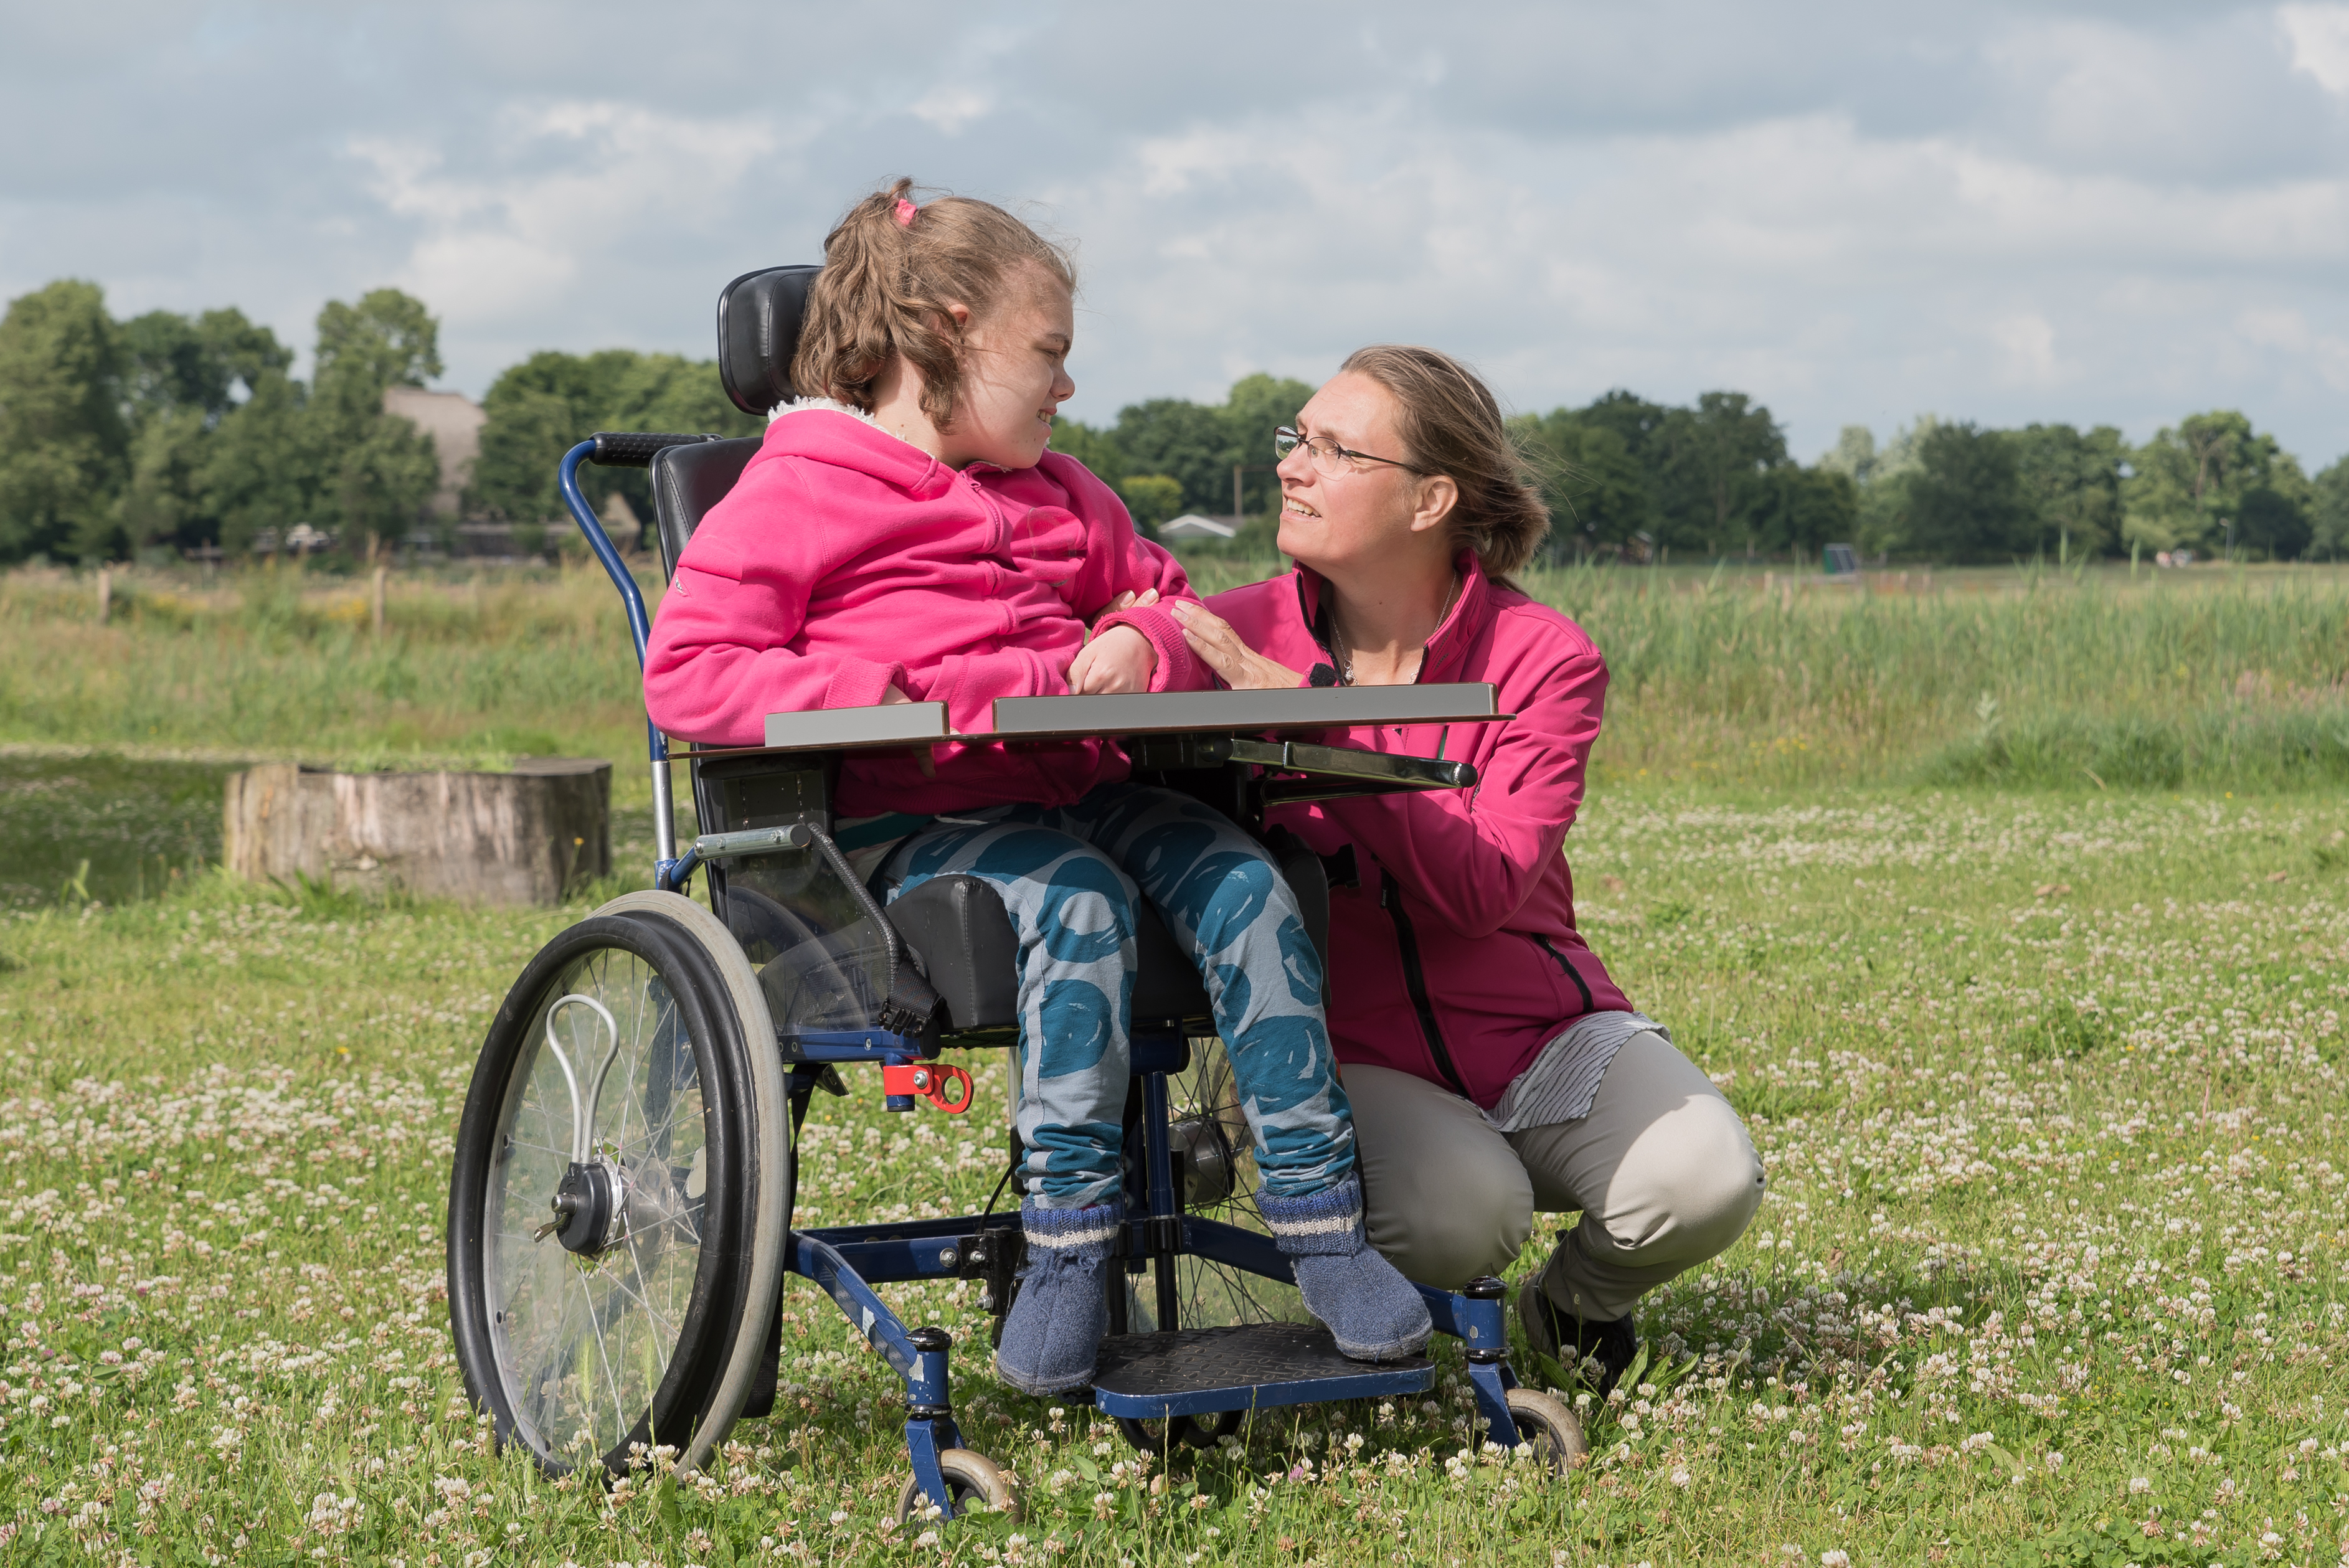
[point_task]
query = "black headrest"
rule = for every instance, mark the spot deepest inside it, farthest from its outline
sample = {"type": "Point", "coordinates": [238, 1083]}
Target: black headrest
{"type": "Point", "coordinates": [757, 333]}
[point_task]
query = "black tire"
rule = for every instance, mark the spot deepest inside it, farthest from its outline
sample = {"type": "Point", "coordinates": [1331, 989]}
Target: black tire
{"type": "Point", "coordinates": [581, 1356]}
{"type": "Point", "coordinates": [1555, 1431]}
{"type": "Point", "coordinates": [972, 1477]}
{"type": "Point", "coordinates": [1159, 1437]}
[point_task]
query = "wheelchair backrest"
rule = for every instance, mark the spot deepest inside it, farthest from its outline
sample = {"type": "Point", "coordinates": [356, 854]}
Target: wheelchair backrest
{"type": "Point", "coordinates": [686, 482]}
{"type": "Point", "coordinates": [758, 331]}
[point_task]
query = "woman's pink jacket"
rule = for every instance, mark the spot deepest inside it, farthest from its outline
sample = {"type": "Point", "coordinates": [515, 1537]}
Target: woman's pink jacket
{"type": "Point", "coordinates": [845, 561]}
{"type": "Point", "coordinates": [1456, 958]}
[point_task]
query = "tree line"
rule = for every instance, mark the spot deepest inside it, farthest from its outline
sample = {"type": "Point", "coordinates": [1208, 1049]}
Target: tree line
{"type": "Point", "coordinates": [166, 433]}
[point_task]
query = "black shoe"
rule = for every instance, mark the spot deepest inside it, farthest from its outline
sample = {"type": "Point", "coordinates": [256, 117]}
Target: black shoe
{"type": "Point", "coordinates": [1602, 1350]}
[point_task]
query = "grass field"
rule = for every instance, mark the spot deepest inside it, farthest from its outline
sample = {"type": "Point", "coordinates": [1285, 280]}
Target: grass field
{"type": "Point", "coordinates": [2224, 678]}
{"type": "Point", "coordinates": [2050, 1084]}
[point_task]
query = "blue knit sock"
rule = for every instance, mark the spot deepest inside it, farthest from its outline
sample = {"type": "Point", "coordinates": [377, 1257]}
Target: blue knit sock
{"type": "Point", "coordinates": [1374, 1313]}
{"type": "Point", "coordinates": [1053, 1335]}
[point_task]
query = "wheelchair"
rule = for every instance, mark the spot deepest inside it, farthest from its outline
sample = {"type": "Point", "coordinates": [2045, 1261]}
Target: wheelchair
{"type": "Point", "coordinates": [620, 1215]}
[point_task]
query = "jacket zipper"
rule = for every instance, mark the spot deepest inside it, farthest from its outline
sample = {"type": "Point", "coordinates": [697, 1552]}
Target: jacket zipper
{"type": "Point", "coordinates": [1416, 982]}
{"type": "Point", "coordinates": [1589, 1003]}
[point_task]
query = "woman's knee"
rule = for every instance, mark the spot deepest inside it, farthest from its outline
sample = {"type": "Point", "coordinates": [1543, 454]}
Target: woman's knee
{"type": "Point", "coordinates": [1704, 1182]}
{"type": "Point", "coordinates": [1445, 1198]}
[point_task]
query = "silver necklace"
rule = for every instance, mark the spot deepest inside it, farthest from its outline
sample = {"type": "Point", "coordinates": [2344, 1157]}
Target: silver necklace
{"type": "Point", "coordinates": [1345, 650]}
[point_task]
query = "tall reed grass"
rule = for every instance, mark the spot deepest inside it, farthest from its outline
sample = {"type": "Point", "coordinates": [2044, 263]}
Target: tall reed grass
{"type": "Point", "coordinates": [2215, 679]}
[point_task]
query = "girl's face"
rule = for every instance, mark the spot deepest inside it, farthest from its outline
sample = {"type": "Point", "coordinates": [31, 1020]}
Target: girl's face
{"type": "Point", "coordinates": [1015, 375]}
{"type": "Point", "coordinates": [1347, 512]}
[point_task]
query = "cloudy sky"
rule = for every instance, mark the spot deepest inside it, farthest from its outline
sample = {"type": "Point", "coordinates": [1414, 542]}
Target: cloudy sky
{"type": "Point", "coordinates": [2095, 213]}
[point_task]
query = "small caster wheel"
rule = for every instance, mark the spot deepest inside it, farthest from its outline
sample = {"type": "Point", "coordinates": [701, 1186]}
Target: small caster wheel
{"type": "Point", "coordinates": [1160, 1437]}
{"type": "Point", "coordinates": [1206, 1432]}
{"type": "Point", "coordinates": [973, 1478]}
{"type": "Point", "coordinates": [1554, 1431]}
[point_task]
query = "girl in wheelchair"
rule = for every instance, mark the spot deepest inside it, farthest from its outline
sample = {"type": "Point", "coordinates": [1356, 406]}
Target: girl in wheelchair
{"type": "Point", "coordinates": [908, 536]}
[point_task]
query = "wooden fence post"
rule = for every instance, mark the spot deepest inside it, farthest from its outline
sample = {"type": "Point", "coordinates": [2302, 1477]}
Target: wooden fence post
{"type": "Point", "coordinates": [105, 595]}
{"type": "Point", "coordinates": [378, 606]}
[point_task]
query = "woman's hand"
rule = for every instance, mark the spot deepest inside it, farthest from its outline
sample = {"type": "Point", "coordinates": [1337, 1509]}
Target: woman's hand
{"type": "Point", "coordinates": [1121, 659]}
{"type": "Point", "coordinates": [1129, 600]}
{"type": "Point", "coordinates": [1243, 668]}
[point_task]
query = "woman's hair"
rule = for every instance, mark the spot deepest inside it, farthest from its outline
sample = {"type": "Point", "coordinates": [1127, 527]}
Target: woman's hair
{"type": "Point", "coordinates": [890, 270]}
{"type": "Point", "coordinates": [1451, 425]}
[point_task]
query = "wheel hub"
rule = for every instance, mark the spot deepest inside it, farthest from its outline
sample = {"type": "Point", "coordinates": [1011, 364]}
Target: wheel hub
{"type": "Point", "coordinates": [1203, 1161]}
{"type": "Point", "coordinates": [582, 1208]}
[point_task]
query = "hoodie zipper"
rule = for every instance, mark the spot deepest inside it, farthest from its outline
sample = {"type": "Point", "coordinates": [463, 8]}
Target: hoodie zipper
{"type": "Point", "coordinates": [1589, 1003]}
{"type": "Point", "coordinates": [1415, 981]}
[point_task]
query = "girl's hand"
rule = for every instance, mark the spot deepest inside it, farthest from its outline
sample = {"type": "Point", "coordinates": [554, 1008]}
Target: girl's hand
{"type": "Point", "coordinates": [1243, 668]}
{"type": "Point", "coordinates": [1121, 659]}
{"type": "Point", "coordinates": [894, 695]}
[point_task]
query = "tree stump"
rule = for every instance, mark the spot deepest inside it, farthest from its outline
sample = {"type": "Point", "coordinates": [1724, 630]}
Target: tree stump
{"type": "Point", "coordinates": [527, 836]}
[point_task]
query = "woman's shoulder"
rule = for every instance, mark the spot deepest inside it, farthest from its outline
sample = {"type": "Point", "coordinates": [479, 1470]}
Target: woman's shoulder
{"type": "Point", "coordinates": [1525, 624]}
{"type": "Point", "coordinates": [1253, 604]}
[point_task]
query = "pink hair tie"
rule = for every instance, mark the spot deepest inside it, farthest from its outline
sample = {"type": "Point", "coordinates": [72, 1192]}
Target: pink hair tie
{"type": "Point", "coordinates": [906, 210]}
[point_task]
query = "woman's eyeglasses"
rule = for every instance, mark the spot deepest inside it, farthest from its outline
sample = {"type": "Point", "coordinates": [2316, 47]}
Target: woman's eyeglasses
{"type": "Point", "coordinates": [1328, 456]}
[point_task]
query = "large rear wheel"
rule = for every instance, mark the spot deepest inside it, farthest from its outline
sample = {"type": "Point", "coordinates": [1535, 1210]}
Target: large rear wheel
{"type": "Point", "coordinates": [615, 1218]}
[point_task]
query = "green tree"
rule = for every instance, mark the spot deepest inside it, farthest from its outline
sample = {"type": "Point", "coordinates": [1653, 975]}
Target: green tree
{"type": "Point", "coordinates": [2192, 485]}
{"type": "Point", "coordinates": [63, 442]}
{"type": "Point", "coordinates": [1854, 454]}
{"type": "Point", "coordinates": [1637, 422]}
{"type": "Point", "coordinates": [1097, 449]}
{"type": "Point", "coordinates": [2071, 485]}
{"type": "Point", "coordinates": [174, 362]}
{"type": "Point", "coordinates": [1596, 489]}
{"type": "Point", "coordinates": [372, 479]}
{"type": "Point", "coordinates": [1199, 444]}
{"type": "Point", "coordinates": [1965, 501]}
{"type": "Point", "coordinates": [182, 375]}
{"type": "Point", "coordinates": [2329, 512]}
{"type": "Point", "coordinates": [541, 409]}
{"type": "Point", "coordinates": [1713, 455]}
{"type": "Point", "coordinates": [1153, 500]}
{"type": "Point", "coordinates": [1801, 510]}
{"type": "Point", "coordinates": [1255, 406]}
{"type": "Point", "coordinates": [261, 465]}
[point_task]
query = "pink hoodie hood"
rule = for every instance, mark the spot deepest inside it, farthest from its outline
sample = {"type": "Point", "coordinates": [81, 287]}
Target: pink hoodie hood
{"type": "Point", "coordinates": [845, 561]}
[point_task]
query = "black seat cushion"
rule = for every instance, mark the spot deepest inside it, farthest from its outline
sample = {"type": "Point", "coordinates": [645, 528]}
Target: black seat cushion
{"type": "Point", "coordinates": [958, 928]}
{"type": "Point", "coordinates": [686, 482]}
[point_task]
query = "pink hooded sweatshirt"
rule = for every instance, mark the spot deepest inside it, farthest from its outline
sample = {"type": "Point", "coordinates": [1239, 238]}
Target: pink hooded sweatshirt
{"type": "Point", "coordinates": [845, 561]}
{"type": "Point", "coordinates": [1456, 958]}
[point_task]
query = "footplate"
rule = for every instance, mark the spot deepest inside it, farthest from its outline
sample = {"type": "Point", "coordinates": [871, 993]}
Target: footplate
{"type": "Point", "coordinates": [1253, 1366]}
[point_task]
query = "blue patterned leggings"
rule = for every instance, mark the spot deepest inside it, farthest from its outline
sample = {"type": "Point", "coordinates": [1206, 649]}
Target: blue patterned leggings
{"type": "Point", "coordinates": [1073, 878]}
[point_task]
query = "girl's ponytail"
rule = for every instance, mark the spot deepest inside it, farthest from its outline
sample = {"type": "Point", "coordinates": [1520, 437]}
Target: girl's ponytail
{"type": "Point", "coordinates": [891, 268]}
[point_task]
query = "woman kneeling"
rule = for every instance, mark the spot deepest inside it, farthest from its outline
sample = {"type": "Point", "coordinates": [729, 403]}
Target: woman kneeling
{"type": "Point", "coordinates": [1494, 1067]}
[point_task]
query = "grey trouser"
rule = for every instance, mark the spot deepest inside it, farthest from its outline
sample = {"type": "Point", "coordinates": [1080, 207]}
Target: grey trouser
{"type": "Point", "coordinates": [1662, 1170]}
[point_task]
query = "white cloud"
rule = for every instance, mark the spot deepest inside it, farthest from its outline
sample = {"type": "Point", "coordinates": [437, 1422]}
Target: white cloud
{"type": "Point", "coordinates": [2320, 43]}
{"type": "Point", "coordinates": [2068, 210]}
{"type": "Point", "coordinates": [2027, 345]}
{"type": "Point", "coordinates": [569, 183]}
{"type": "Point", "coordinates": [951, 108]}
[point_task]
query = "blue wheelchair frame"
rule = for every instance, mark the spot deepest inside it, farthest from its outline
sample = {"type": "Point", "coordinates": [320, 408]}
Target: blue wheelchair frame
{"type": "Point", "coordinates": [847, 1261]}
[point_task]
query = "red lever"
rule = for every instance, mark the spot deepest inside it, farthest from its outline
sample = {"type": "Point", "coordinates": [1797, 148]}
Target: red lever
{"type": "Point", "coordinates": [942, 1084]}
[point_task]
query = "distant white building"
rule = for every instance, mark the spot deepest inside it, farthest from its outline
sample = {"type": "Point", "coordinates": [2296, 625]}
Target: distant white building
{"type": "Point", "coordinates": [454, 422]}
{"type": "Point", "coordinates": [1191, 525]}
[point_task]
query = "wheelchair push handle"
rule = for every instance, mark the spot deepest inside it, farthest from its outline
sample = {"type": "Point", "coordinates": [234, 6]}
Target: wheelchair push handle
{"type": "Point", "coordinates": [636, 449]}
